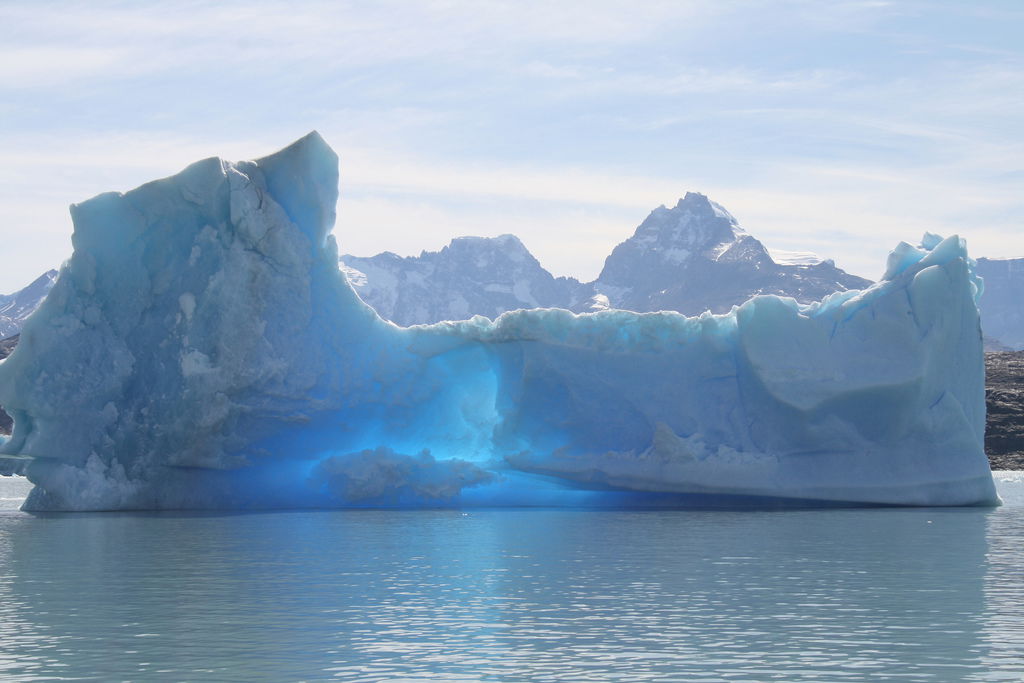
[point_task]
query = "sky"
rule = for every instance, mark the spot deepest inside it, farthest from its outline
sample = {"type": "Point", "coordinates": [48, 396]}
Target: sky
{"type": "Point", "coordinates": [835, 126]}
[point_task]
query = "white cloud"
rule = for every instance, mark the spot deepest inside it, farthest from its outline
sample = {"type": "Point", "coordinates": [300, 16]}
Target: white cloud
{"type": "Point", "coordinates": [385, 172]}
{"type": "Point", "coordinates": [39, 66]}
{"type": "Point", "coordinates": [74, 41]}
{"type": "Point", "coordinates": [579, 81]}
{"type": "Point", "coordinates": [562, 122]}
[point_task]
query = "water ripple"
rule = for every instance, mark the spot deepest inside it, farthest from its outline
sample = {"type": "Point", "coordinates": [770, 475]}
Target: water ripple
{"type": "Point", "coordinates": [539, 595]}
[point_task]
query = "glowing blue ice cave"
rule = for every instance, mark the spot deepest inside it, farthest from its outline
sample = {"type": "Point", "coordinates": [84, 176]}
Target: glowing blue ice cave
{"type": "Point", "coordinates": [201, 349]}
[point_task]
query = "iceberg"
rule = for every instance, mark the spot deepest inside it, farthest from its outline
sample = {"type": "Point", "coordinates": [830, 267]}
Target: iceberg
{"type": "Point", "coordinates": [201, 349]}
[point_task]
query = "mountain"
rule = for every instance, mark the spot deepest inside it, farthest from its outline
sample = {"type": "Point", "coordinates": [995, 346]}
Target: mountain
{"type": "Point", "coordinates": [1002, 304]}
{"type": "Point", "coordinates": [14, 308]}
{"type": "Point", "coordinates": [695, 257]}
{"type": "Point", "coordinates": [471, 276]}
{"type": "Point", "coordinates": [690, 258]}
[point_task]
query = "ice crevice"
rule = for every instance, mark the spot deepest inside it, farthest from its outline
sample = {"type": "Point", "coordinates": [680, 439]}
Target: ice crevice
{"type": "Point", "coordinates": [201, 349]}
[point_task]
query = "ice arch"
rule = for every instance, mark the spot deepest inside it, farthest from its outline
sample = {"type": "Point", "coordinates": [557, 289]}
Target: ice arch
{"type": "Point", "coordinates": [201, 350]}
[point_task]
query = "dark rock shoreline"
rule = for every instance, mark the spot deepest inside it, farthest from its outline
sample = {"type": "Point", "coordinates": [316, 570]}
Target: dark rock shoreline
{"type": "Point", "coordinates": [1004, 402]}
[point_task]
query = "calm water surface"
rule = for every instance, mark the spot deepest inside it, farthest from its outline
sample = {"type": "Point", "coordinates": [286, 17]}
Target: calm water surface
{"type": "Point", "coordinates": [515, 595]}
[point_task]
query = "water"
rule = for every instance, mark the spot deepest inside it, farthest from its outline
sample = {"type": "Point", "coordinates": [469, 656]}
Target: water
{"type": "Point", "coordinates": [515, 595]}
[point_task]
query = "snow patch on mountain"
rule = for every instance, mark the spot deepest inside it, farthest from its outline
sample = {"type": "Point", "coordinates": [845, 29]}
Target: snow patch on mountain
{"type": "Point", "coordinates": [784, 257]}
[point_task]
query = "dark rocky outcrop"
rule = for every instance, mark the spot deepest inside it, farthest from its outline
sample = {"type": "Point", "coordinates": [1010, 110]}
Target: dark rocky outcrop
{"type": "Point", "coordinates": [1004, 398]}
{"type": "Point", "coordinates": [7, 345]}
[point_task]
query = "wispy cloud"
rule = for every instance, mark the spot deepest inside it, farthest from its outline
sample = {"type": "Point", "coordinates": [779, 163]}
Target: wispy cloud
{"type": "Point", "coordinates": [839, 127]}
{"type": "Point", "coordinates": [576, 81]}
{"type": "Point", "coordinates": [75, 41]}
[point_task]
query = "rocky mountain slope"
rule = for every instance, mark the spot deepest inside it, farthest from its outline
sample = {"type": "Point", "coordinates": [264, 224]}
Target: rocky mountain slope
{"type": "Point", "coordinates": [695, 257]}
{"type": "Point", "coordinates": [690, 258]}
{"type": "Point", "coordinates": [14, 308]}
{"type": "Point", "coordinates": [471, 276]}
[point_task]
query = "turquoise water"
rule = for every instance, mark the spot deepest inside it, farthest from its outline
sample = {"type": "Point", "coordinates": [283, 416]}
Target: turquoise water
{"type": "Point", "coordinates": [514, 595]}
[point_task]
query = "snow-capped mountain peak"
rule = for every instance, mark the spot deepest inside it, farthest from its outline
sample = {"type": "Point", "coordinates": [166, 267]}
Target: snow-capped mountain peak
{"type": "Point", "coordinates": [669, 244]}
{"type": "Point", "coordinates": [690, 258]}
{"type": "Point", "coordinates": [470, 276]}
{"type": "Point", "coordinates": [695, 257]}
{"type": "Point", "coordinates": [489, 251]}
{"type": "Point", "coordinates": [695, 225]}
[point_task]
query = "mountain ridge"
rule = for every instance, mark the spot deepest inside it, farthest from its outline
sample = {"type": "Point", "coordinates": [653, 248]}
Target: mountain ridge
{"type": "Point", "coordinates": [16, 307]}
{"type": "Point", "coordinates": [689, 258]}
